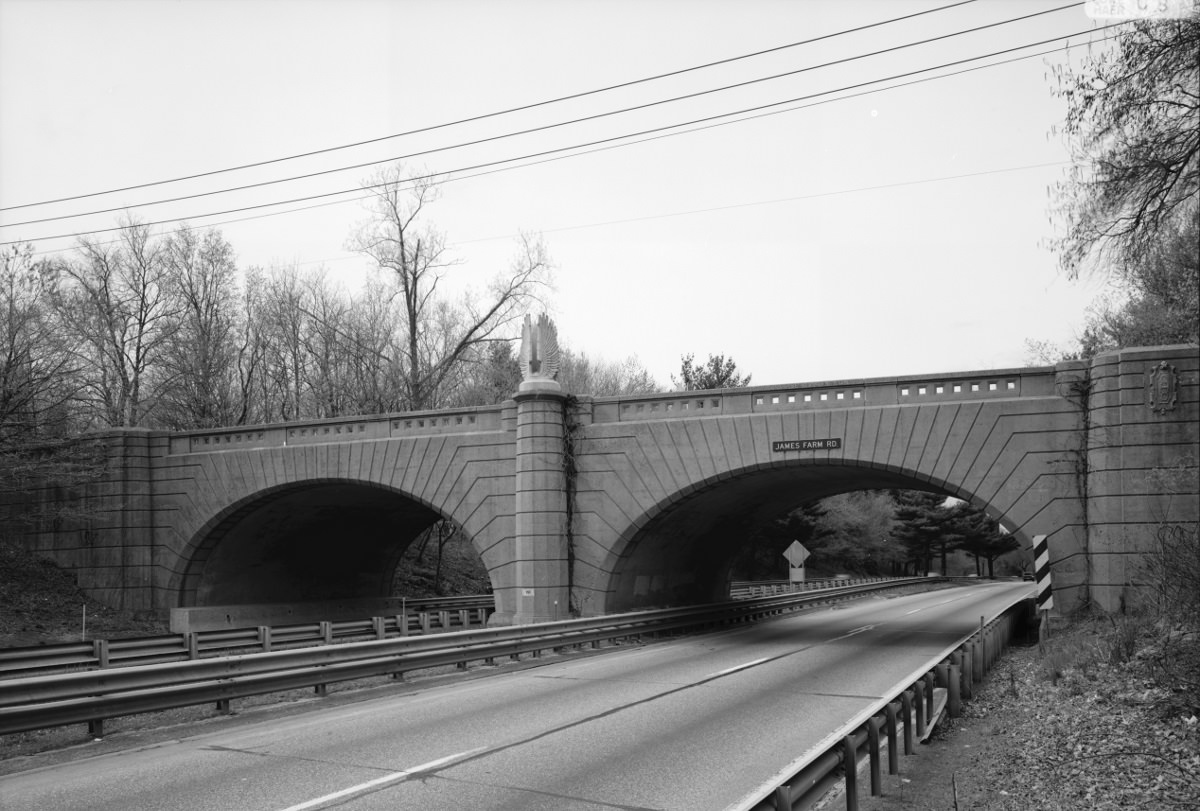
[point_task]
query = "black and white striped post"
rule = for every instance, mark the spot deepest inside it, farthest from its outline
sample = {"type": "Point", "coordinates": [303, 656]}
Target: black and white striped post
{"type": "Point", "coordinates": [1041, 574]}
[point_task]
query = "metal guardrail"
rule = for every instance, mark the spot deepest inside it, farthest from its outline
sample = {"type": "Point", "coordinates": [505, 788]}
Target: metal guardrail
{"type": "Point", "coordinates": [92, 696]}
{"type": "Point", "coordinates": [892, 722]}
{"type": "Point", "coordinates": [741, 589]}
{"type": "Point", "coordinates": [434, 616]}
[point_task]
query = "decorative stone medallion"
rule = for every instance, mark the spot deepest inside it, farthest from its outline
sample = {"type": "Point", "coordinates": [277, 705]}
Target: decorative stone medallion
{"type": "Point", "coordinates": [1162, 388]}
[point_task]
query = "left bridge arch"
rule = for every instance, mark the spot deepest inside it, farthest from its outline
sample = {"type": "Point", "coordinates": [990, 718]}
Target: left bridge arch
{"type": "Point", "coordinates": [312, 540]}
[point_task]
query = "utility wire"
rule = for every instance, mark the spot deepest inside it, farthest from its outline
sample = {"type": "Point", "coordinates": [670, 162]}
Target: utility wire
{"type": "Point", "coordinates": [454, 178]}
{"type": "Point", "coordinates": [748, 204]}
{"type": "Point", "coordinates": [612, 139]}
{"type": "Point", "coordinates": [545, 127]}
{"type": "Point", "coordinates": [497, 113]}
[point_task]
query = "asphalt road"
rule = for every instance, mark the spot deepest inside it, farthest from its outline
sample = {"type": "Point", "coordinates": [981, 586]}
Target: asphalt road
{"type": "Point", "coordinates": [696, 723]}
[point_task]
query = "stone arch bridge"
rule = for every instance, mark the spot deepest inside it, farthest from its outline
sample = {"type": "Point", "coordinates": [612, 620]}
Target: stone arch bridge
{"type": "Point", "coordinates": [599, 505]}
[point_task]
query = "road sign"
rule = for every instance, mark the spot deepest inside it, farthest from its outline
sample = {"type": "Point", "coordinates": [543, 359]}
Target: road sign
{"type": "Point", "coordinates": [796, 554]}
{"type": "Point", "coordinates": [780, 446]}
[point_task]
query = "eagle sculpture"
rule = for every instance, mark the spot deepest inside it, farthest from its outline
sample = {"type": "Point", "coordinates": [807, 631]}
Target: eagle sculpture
{"type": "Point", "coordinates": [539, 349]}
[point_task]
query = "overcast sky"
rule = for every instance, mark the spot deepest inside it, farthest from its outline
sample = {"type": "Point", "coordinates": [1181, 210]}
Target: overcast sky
{"type": "Point", "coordinates": [897, 231]}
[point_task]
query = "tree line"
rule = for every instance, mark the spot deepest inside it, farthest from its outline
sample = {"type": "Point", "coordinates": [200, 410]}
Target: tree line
{"type": "Point", "coordinates": [165, 330]}
{"type": "Point", "coordinates": [880, 532]}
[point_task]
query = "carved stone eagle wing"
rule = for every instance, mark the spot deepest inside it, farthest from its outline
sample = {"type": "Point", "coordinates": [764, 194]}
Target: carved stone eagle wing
{"type": "Point", "coordinates": [548, 345]}
{"type": "Point", "coordinates": [539, 358]}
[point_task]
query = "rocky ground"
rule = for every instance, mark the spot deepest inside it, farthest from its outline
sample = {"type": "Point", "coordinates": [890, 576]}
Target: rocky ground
{"type": "Point", "coordinates": [1091, 719]}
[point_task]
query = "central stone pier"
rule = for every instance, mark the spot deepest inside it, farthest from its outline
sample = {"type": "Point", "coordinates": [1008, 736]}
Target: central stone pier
{"type": "Point", "coordinates": [542, 583]}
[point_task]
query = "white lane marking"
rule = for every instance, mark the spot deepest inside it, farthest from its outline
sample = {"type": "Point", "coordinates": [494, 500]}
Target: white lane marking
{"type": "Point", "coordinates": [381, 781]}
{"type": "Point", "coordinates": [849, 634]}
{"type": "Point", "coordinates": [736, 668]}
{"type": "Point", "coordinates": [935, 605]}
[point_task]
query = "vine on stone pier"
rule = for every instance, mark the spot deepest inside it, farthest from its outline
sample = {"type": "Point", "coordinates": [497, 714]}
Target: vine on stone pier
{"type": "Point", "coordinates": [1080, 396]}
{"type": "Point", "coordinates": [570, 477]}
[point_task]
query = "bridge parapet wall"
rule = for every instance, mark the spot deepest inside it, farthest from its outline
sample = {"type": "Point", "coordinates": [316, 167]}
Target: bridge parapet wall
{"type": "Point", "coordinates": [978, 386]}
{"type": "Point", "coordinates": [347, 429]}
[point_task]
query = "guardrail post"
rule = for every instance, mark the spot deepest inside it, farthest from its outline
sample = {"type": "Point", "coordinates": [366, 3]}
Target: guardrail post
{"type": "Point", "coordinates": [223, 706]}
{"type": "Point", "coordinates": [264, 638]}
{"type": "Point", "coordinates": [893, 742]}
{"type": "Point", "coordinates": [906, 709]}
{"type": "Point", "coordinates": [781, 798]}
{"type": "Point", "coordinates": [850, 762]}
{"type": "Point", "coordinates": [444, 620]}
{"type": "Point", "coordinates": [983, 648]}
{"type": "Point", "coordinates": [464, 617]}
{"type": "Point", "coordinates": [96, 728]}
{"type": "Point", "coordinates": [402, 624]}
{"type": "Point", "coordinates": [954, 691]}
{"type": "Point", "coordinates": [326, 632]}
{"type": "Point", "coordinates": [977, 660]}
{"type": "Point", "coordinates": [929, 698]}
{"type": "Point", "coordinates": [380, 628]}
{"type": "Point", "coordinates": [321, 689]}
{"type": "Point", "coordinates": [424, 622]}
{"type": "Point", "coordinates": [919, 702]}
{"type": "Point", "coordinates": [968, 670]}
{"type": "Point", "coordinates": [873, 751]}
{"type": "Point", "coordinates": [193, 645]}
{"type": "Point", "coordinates": [100, 651]}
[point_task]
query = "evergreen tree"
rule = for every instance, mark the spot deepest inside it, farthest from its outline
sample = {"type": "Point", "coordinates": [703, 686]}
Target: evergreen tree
{"type": "Point", "coordinates": [719, 372]}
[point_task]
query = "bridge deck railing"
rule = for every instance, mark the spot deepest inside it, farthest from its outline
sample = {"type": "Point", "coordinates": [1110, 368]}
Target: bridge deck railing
{"type": "Point", "coordinates": [344, 429]}
{"type": "Point", "coordinates": [991, 384]}
{"type": "Point", "coordinates": [988, 384]}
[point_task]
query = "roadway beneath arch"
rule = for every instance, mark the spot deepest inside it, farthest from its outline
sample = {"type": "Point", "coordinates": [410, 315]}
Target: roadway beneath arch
{"type": "Point", "coordinates": [683, 554]}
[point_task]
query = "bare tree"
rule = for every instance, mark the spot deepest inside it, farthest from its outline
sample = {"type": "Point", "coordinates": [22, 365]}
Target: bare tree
{"type": "Point", "coordinates": [38, 391]}
{"type": "Point", "coordinates": [121, 303]}
{"type": "Point", "coordinates": [282, 313]}
{"type": "Point", "coordinates": [374, 377]}
{"type": "Point", "coordinates": [1133, 121]}
{"type": "Point", "coordinates": [36, 369]}
{"type": "Point", "coordinates": [438, 335]}
{"type": "Point", "coordinates": [328, 347]}
{"type": "Point", "coordinates": [199, 368]}
{"type": "Point", "coordinates": [601, 378]}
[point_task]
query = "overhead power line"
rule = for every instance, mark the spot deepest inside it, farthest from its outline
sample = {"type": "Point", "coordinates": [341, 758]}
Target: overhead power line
{"type": "Point", "coordinates": [610, 140]}
{"type": "Point", "coordinates": [545, 127]}
{"type": "Point", "coordinates": [484, 116]}
{"type": "Point", "coordinates": [713, 125]}
{"type": "Point", "coordinates": [689, 212]}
